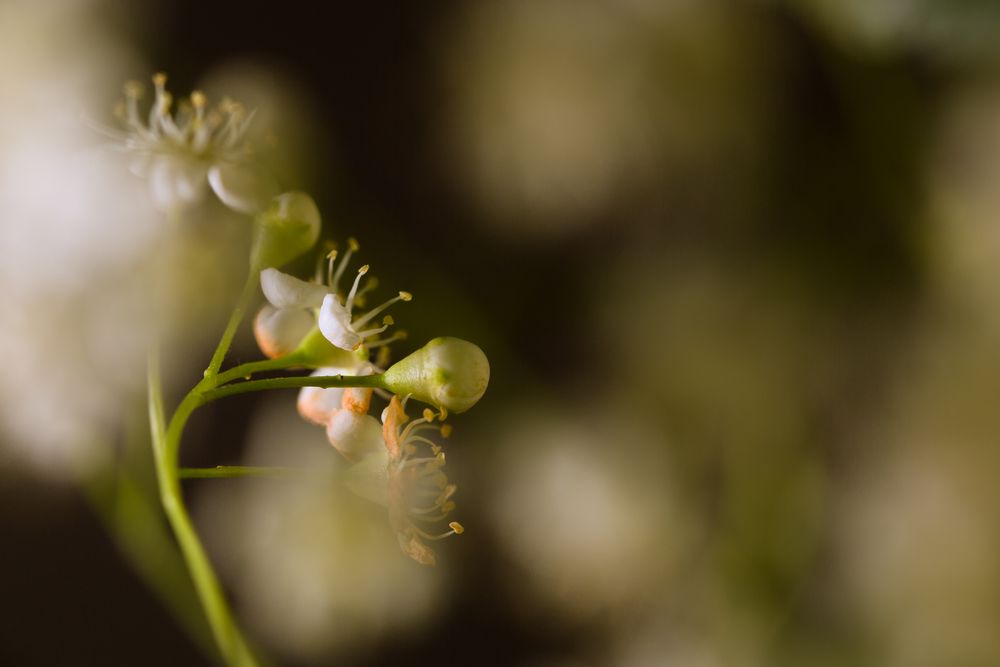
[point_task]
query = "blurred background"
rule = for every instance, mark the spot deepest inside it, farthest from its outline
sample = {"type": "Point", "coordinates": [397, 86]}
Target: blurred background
{"type": "Point", "coordinates": [736, 266]}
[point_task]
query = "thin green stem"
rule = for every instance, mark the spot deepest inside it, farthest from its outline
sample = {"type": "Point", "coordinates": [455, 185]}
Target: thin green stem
{"type": "Point", "coordinates": [249, 290]}
{"type": "Point", "coordinates": [325, 381]}
{"type": "Point", "coordinates": [244, 371]}
{"type": "Point", "coordinates": [223, 472]}
{"type": "Point", "coordinates": [166, 445]}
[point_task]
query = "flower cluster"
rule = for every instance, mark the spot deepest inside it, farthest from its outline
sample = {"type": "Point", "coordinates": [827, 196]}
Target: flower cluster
{"type": "Point", "coordinates": [179, 152]}
{"type": "Point", "coordinates": [295, 307]}
{"type": "Point", "coordinates": [394, 461]}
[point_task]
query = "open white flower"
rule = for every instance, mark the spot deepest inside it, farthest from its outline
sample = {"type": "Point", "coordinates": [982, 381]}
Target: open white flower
{"type": "Point", "coordinates": [284, 323]}
{"type": "Point", "coordinates": [407, 477]}
{"type": "Point", "coordinates": [179, 153]}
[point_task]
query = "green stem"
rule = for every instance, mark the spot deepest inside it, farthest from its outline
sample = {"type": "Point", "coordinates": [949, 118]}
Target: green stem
{"type": "Point", "coordinates": [325, 381]}
{"type": "Point", "coordinates": [244, 371]}
{"type": "Point", "coordinates": [249, 290]}
{"type": "Point", "coordinates": [166, 444]}
{"type": "Point", "coordinates": [222, 472]}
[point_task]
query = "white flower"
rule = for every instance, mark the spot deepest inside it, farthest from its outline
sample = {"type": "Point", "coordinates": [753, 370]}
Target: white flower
{"type": "Point", "coordinates": [281, 326]}
{"type": "Point", "coordinates": [179, 153]}
{"type": "Point", "coordinates": [407, 477]}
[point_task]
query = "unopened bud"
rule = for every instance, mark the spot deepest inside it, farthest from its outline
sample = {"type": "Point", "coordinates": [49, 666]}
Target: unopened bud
{"type": "Point", "coordinates": [286, 229]}
{"type": "Point", "coordinates": [447, 372]}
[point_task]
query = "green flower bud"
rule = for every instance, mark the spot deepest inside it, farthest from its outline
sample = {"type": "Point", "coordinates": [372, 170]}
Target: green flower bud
{"type": "Point", "coordinates": [285, 230]}
{"type": "Point", "coordinates": [447, 372]}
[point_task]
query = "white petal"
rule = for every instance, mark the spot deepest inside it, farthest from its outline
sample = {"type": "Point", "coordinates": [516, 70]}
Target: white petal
{"type": "Point", "coordinates": [174, 182]}
{"type": "Point", "coordinates": [280, 330]}
{"type": "Point", "coordinates": [355, 436]}
{"type": "Point", "coordinates": [285, 291]}
{"type": "Point", "coordinates": [335, 323]}
{"type": "Point", "coordinates": [317, 404]}
{"type": "Point", "coordinates": [242, 188]}
{"type": "Point", "coordinates": [369, 478]}
{"type": "Point", "coordinates": [189, 180]}
{"type": "Point", "coordinates": [140, 164]}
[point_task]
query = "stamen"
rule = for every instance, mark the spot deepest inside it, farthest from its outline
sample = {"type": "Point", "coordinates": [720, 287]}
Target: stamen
{"type": "Point", "coordinates": [446, 430]}
{"type": "Point", "coordinates": [371, 332]}
{"type": "Point", "coordinates": [331, 258]}
{"type": "Point", "coordinates": [354, 288]}
{"type": "Point", "coordinates": [449, 491]}
{"type": "Point", "coordinates": [399, 335]}
{"type": "Point", "coordinates": [352, 247]}
{"type": "Point", "coordinates": [456, 529]}
{"type": "Point", "coordinates": [133, 89]}
{"type": "Point", "coordinates": [364, 319]}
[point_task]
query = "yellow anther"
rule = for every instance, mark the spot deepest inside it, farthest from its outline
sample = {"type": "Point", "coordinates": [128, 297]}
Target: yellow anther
{"type": "Point", "coordinates": [457, 527]}
{"type": "Point", "coordinates": [133, 89]}
{"type": "Point", "coordinates": [443, 414]}
{"type": "Point", "coordinates": [428, 414]}
{"type": "Point", "coordinates": [402, 335]}
{"type": "Point", "coordinates": [160, 79]}
{"type": "Point", "coordinates": [198, 99]}
{"type": "Point", "coordinates": [439, 458]}
{"type": "Point", "coordinates": [446, 430]}
{"type": "Point", "coordinates": [405, 296]}
{"type": "Point", "coordinates": [332, 255]}
{"type": "Point", "coordinates": [353, 244]}
{"type": "Point", "coordinates": [388, 321]}
{"type": "Point", "coordinates": [363, 270]}
{"type": "Point", "coordinates": [448, 506]}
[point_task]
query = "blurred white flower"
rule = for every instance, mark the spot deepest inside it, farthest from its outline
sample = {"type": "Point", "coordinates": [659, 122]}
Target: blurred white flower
{"type": "Point", "coordinates": [407, 477]}
{"type": "Point", "coordinates": [919, 544]}
{"type": "Point", "coordinates": [562, 111]}
{"type": "Point", "coordinates": [585, 513]}
{"type": "Point", "coordinates": [75, 235]}
{"type": "Point", "coordinates": [315, 566]}
{"type": "Point", "coordinates": [180, 152]}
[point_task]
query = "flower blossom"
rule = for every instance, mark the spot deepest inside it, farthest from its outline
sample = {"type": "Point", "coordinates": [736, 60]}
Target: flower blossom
{"type": "Point", "coordinates": [180, 152]}
{"type": "Point", "coordinates": [407, 477]}
{"type": "Point", "coordinates": [289, 316]}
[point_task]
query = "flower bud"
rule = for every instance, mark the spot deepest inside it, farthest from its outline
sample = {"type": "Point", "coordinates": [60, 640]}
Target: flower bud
{"type": "Point", "coordinates": [354, 435]}
{"type": "Point", "coordinates": [448, 372]}
{"type": "Point", "coordinates": [285, 230]}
